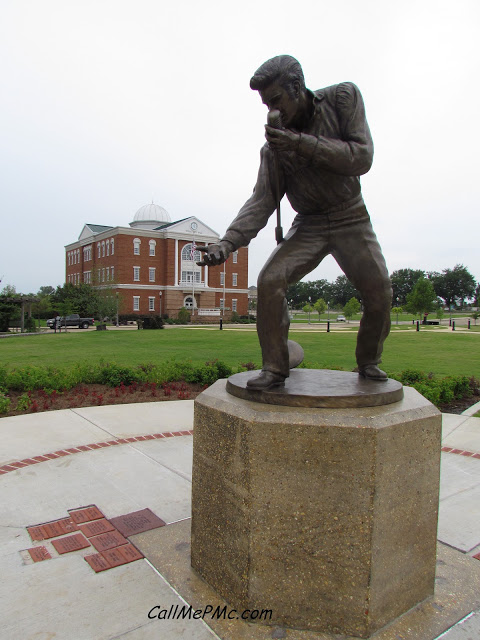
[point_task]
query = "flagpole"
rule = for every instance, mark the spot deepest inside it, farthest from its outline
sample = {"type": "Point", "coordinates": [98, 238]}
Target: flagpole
{"type": "Point", "coordinates": [193, 279]}
{"type": "Point", "coordinates": [224, 281]}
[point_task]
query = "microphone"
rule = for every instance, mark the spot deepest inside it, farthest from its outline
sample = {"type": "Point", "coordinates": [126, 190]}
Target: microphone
{"type": "Point", "coordinates": [274, 119]}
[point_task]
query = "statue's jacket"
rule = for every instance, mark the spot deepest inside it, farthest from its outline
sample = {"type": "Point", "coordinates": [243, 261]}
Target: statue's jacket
{"type": "Point", "coordinates": [321, 179]}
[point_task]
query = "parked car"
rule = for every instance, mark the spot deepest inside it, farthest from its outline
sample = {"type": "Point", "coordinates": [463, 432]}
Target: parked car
{"type": "Point", "coordinates": [73, 320]}
{"type": "Point", "coordinates": [341, 319]}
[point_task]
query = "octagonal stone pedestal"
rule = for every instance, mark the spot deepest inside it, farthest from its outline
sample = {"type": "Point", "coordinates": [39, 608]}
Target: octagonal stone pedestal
{"type": "Point", "coordinates": [326, 517]}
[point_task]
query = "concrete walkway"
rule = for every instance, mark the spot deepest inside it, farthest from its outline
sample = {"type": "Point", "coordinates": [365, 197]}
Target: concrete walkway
{"type": "Point", "coordinates": [125, 459]}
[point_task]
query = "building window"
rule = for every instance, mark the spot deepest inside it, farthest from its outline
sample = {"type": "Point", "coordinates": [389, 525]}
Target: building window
{"type": "Point", "coordinates": [190, 253]}
{"type": "Point", "coordinates": [136, 274]}
{"type": "Point", "coordinates": [112, 246]}
{"type": "Point", "coordinates": [189, 276]}
{"type": "Point", "coordinates": [222, 278]}
{"type": "Point", "coordinates": [112, 273]}
{"type": "Point", "coordinates": [108, 247]}
{"type": "Point", "coordinates": [234, 279]}
{"type": "Point", "coordinates": [235, 257]}
{"type": "Point", "coordinates": [87, 253]}
{"type": "Point", "coordinates": [103, 275]}
{"type": "Point", "coordinates": [108, 272]}
{"type": "Point", "coordinates": [152, 244]}
{"type": "Point", "coordinates": [189, 270]}
{"type": "Point", "coordinates": [99, 249]}
{"type": "Point", "coordinates": [136, 246]}
{"type": "Point", "coordinates": [136, 303]}
{"type": "Point", "coordinates": [222, 303]}
{"type": "Point", "coordinates": [234, 304]}
{"type": "Point", "coordinates": [188, 302]}
{"type": "Point", "coordinates": [103, 249]}
{"type": "Point", "coordinates": [151, 274]}
{"type": "Point", "coordinates": [151, 304]}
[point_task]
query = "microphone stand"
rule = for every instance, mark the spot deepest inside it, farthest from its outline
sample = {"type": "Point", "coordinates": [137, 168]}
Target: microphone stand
{"type": "Point", "coordinates": [274, 119]}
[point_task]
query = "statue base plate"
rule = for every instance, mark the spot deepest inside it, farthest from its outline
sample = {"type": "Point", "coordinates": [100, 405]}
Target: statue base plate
{"type": "Point", "coordinates": [321, 388]}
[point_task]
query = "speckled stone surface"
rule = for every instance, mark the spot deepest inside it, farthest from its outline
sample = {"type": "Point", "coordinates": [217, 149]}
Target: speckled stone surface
{"type": "Point", "coordinates": [457, 593]}
{"type": "Point", "coordinates": [326, 516]}
{"type": "Point", "coordinates": [319, 388]}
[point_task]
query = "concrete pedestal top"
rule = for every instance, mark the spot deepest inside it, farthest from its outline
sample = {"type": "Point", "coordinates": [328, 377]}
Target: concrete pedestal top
{"type": "Point", "coordinates": [319, 388]}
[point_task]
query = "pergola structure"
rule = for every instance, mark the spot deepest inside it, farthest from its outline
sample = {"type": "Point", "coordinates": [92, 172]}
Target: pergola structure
{"type": "Point", "coordinates": [23, 301]}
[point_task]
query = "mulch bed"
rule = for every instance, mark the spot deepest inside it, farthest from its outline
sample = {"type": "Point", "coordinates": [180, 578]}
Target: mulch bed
{"type": "Point", "coordinates": [94, 395]}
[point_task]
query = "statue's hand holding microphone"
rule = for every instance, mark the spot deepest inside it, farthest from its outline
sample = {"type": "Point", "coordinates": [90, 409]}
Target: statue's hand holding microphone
{"type": "Point", "coordinates": [278, 138]}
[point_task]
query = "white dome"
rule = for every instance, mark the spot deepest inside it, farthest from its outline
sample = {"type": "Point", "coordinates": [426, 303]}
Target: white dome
{"type": "Point", "coordinates": [152, 213]}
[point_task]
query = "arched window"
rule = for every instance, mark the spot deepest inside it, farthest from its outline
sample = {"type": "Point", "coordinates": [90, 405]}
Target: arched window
{"type": "Point", "coordinates": [112, 246]}
{"type": "Point", "coordinates": [188, 302]}
{"type": "Point", "coordinates": [136, 246]}
{"type": "Point", "coordinates": [191, 272]}
{"type": "Point", "coordinates": [103, 249]}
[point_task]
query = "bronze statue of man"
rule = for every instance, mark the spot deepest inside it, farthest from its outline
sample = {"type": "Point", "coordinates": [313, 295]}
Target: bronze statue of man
{"type": "Point", "coordinates": [315, 159]}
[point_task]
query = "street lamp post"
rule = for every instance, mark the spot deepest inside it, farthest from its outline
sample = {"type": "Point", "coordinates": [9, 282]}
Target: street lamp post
{"type": "Point", "coordinates": [309, 307]}
{"type": "Point", "coordinates": [160, 303]}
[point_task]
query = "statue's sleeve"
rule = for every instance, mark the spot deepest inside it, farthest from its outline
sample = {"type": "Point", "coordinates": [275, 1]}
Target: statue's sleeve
{"type": "Point", "coordinates": [352, 154]}
{"type": "Point", "coordinates": [254, 214]}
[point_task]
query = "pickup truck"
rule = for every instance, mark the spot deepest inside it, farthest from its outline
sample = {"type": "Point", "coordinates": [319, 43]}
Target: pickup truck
{"type": "Point", "coordinates": [73, 320]}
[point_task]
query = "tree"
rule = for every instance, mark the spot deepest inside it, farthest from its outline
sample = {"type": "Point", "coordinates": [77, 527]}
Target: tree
{"type": "Point", "coordinates": [403, 281]}
{"type": "Point", "coordinates": [397, 310]}
{"type": "Point", "coordinates": [307, 308]}
{"type": "Point", "coordinates": [9, 310]}
{"type": "Point", "coordinates": [351, 308]}
{"type": "Point", "coordinates": [77, 298]}
{"type": "Point", "coordinates": [300, 292]}
{"type": "Point", "coordinates": [45, 291]}
{"type": "Point", "coordinates": [423, 297]}
{"type": "Point", "coordinates": [454, 286]}
{"type": "Point", "coordinates": [320, 307]}
{"type": "Point", "coordinates": [342, 290]}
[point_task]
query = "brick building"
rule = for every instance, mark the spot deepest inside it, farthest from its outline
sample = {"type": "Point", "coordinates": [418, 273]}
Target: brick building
{"type": "Point", "coordinates": [151, 265]}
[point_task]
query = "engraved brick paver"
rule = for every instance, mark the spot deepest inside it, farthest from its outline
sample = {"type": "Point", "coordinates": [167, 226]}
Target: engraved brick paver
{"type": "Point", "coordinates": [96, 527]}
{"type": "Point", "coordinates": [36, 533]}
{"type": "Point", "coordinates": [70, 543]}
{"type": "Point", "coordinates": [114, 557]}
{"type": "Point", "coordinates": [98, 562]}
{"type": "Point", "coordinates": [137, 522]}
{"type": "Point", "coordinates": [38, 554]}
{"type": "Point", "coordinates": [108, 540]}
{"type": "Point", "coordinates": [86, 514]}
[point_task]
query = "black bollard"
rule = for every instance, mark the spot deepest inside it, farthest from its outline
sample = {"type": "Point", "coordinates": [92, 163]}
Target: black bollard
{"type": "Point", "coordinates": [418, 325]}
{"type": "Point", "coordinates": [469, 324]}
{"type": "Point", "coordinates": [221, 324]}
{"type": "Point", "coordinates": [453, 325]}
{"type": "Point", "coordinates": [328, 327]}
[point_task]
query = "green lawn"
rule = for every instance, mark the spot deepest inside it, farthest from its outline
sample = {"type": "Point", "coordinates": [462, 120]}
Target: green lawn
{"type": "Point", "coordinates": [442, 353]}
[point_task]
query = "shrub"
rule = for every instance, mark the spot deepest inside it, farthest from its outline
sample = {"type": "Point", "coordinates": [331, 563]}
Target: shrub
{"type": "Point", "coordinates": [113, 375]}
{"type": "Point", "coordinates": [152, 322]}
{"type": "Point", "coordinates": [184, 316]}
{"type": "Point", "coordinates": [4, 403]}
{"type": "Point", "coordinates": [24, 402]}
{"type": "Point", "coordinates": [439, 391]}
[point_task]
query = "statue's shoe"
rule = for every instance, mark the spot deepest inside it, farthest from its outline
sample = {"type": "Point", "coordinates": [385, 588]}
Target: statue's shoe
{"type": "Point", "coordinates": [266, 380]}
{"type": "Point", "coordinates": [372, 372]}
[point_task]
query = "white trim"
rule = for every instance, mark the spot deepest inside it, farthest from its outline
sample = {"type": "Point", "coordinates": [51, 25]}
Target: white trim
{"type": "Point", "coordinates": [176, 263]}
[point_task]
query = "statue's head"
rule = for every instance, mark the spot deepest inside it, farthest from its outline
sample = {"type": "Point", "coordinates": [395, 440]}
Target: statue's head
{"type": "Point", "coordinates": [281, 86]}
{"type": "Point", "coordinates": [283, 70]}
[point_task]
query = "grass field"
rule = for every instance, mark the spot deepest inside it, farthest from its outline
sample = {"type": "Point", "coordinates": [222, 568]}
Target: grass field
{"type": "Point", "coordinates": [441, 353]}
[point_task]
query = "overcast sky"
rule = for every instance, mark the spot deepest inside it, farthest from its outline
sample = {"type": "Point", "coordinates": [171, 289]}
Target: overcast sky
{"type": "Point", "coordinates": [108, 104]}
